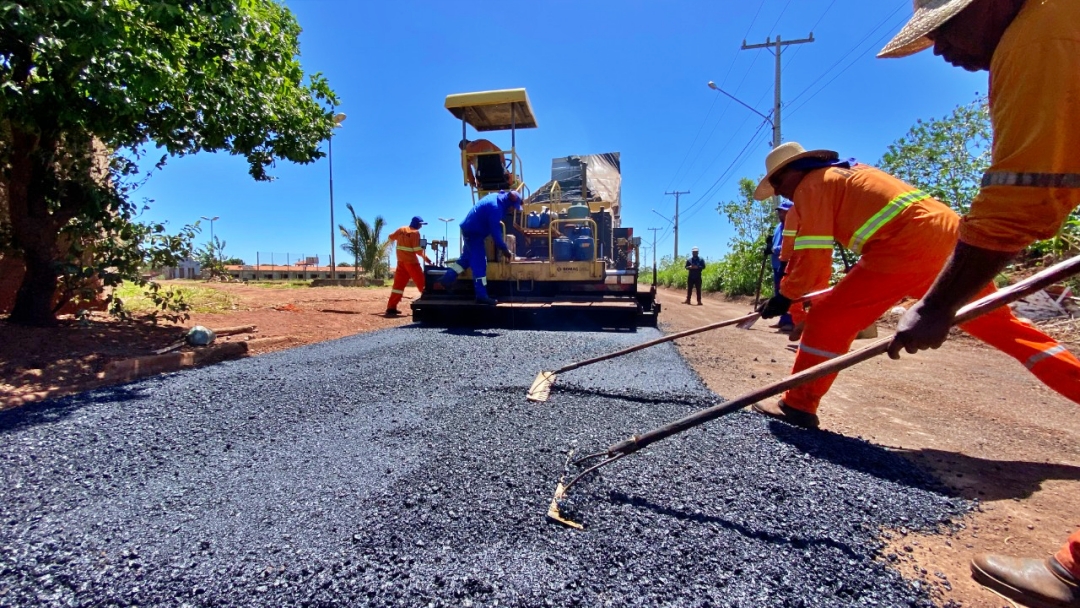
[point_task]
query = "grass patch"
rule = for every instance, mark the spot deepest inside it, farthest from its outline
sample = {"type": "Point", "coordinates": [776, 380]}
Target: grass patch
{"type": "Point", "coordinates": [199, 299]}
{"type": "Point", "coordinates": [280, 284]}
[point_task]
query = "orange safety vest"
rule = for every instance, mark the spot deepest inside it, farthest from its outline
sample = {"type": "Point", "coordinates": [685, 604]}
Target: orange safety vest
{"type": "Point", "coordinates": [408, 245]}
{"type": "Point", "coordinates": [892, 224]}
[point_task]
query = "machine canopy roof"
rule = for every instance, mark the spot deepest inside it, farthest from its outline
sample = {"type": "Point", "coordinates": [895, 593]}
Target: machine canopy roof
{"type": "Point", "coordinates": [490, 110]}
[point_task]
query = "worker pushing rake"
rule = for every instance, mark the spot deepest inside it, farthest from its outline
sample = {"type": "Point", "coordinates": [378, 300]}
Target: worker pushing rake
{"type": "Point", "coordinates": [593, 462]}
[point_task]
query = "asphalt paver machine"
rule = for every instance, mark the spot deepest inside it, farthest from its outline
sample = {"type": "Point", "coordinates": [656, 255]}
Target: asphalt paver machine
{"type": "Point", "coordinates": [574, 262]}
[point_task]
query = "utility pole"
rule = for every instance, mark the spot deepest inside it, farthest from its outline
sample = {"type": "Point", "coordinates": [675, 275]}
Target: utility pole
{"type": "Point", "coordinates": [654, 254]}
{"type": "Point", "coordinates": [676, 193]}
{"type": "Point", "coordinates": [776, 47]}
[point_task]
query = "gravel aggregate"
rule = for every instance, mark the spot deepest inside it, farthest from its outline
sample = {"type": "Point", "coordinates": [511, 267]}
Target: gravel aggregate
{"type": "Point", "coordinates": [406, 468]}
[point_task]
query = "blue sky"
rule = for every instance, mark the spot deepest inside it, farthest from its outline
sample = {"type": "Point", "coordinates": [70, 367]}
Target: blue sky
{"type": "Point", "coordinates": [603, 75]}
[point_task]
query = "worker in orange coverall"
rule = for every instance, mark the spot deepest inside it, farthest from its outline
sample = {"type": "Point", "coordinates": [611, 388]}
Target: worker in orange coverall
{"type": "Point", "coordinates": [904, 237]}
{"type": "Point", "coordinates": [480, 146]}
{"type": "Point", "coordinates": [408, 247]}
{"type": "Point", "coordinates": [1032, 50]}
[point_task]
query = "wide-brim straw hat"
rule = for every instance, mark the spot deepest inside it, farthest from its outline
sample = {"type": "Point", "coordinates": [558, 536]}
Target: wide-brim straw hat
{"type": "Point", "coordinates": [780, 157]}
{"type": "Point", "coordinates": [929, 16]}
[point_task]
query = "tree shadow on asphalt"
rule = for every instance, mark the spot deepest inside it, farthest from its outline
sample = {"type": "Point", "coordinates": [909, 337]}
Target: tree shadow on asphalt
{"type": "Point", "coordinates": [950, 473]}
{"type": "Point", "coordinates": [51, 411]}
{"type": "Point", "coordinates": [632, 396]}
{"type": "Point", "coordinates": [798, 542]}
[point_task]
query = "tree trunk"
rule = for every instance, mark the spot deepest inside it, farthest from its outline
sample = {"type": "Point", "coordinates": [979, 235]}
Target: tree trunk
{"type": "Point", "coordinates": [34, 300]}
{"type": "Point", "coordinates": [34, 232]}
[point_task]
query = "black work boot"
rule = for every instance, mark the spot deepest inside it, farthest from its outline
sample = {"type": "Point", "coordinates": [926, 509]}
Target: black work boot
{"type": "Point", "coordinates": [790, 415]}
{"type": "Point", "coordinates": [1038, 583]}
{"type": "Point", "coordinates": [392, 312]}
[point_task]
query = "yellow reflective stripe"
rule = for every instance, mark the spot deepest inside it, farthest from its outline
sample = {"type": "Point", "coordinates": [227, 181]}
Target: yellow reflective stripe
{"type": "Point", "coordinates": [817, 241]}
{"type": "Point", "coordinates": [884, 216]}
{"type": "Point", "coordinates": [1046, 354]}
{"type": "Point", "coordinates": [411, 249]}
{"type": "Point", "coordinates": [401, 291]}
{"type": "Point", "coordinates": [789, 232]}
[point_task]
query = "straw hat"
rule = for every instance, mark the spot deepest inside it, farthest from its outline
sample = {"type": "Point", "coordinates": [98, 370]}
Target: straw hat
{"type": "Point", "coordinates": [929, 16]}
{"type": "Point", "coordinates": [780, 157]}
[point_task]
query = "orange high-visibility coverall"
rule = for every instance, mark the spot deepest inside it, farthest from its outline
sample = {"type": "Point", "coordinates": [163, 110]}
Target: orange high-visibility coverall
{"type": "Point", "coordinates": [787, 247]}
{"type": "Point", "coordinates": [904, 237]}
{"type": "Point", "coordinates": [478, 146]}
{"type": "Point", "coordinates": [408, 247]}
{"type": "Point", "coordinates": [1035, 114]}
{"type": "Point", "coordinates": [1069, 555]}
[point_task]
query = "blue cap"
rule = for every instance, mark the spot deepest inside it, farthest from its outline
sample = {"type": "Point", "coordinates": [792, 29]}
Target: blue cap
{"type": "Point", "coordinates": [785, 206]}
{"type": "Point", "coordinates": [417, 221]}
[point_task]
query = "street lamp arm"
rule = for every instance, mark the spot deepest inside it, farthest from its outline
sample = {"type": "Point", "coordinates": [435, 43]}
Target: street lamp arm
{"type": "Point", "coordinates": [663, 216]}
{"type": "Point", "coordinates": [712, 85]}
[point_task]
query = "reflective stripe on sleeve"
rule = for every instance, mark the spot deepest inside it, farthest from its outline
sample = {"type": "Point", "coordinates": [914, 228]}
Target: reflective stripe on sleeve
{"type": "Point", "coordinates": [455, 267]}
{"type": "Point", "coordinates": [790, 232]}
{"type": "Point", "coordinates": [817, 241]}
{"type": "Point", "coordinates": [1034, 360]}
{"type": "Point", "coordinates": [884, 216]}
{"type": "Point", "coordinates": [815, 351]}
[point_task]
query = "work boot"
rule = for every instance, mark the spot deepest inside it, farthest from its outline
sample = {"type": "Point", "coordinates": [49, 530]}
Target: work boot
{"type": "Point", "coordinates": [699, 302]}
{"type": "Point", "coordinates": [392, 312]}
{"type": "Point", "coordinates": [1038, 583]}
{"type": "Point", "coordinates": [790, 415]}
{"type": "Point", "coordinates": [687, 301]}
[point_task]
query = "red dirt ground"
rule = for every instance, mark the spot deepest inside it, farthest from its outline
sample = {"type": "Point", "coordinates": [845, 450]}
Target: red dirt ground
{"type": "Point", "coordinates": [36, 363]}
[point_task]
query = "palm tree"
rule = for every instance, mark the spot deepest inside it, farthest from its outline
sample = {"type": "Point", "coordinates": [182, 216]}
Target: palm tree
{"type": "Point", "coordinates": [364, 242]}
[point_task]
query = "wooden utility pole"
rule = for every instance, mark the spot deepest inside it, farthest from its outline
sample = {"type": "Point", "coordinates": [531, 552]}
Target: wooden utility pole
{"type": "Point", "coordinates": [676, 193]}
{"type": "Point", "coordinates": [776, 46]}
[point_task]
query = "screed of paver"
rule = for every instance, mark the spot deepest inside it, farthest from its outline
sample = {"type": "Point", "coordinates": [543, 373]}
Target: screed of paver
{"type": "Point", "coordinates": [405, 467]}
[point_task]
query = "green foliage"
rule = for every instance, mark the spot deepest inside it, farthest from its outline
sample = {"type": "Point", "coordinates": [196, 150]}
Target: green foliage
{"type": "Point", "coordinates": [740, 270]}
{"type": "Point", "coordinates": [751, 219]}
{"type": "Point", "coordinates": [211, 257]}
{"type": "Point", "coordinates": [364, 242]}
{"type": "Point", "coordinates": [87, 87]}
{"type": "Point", "coordinates": [232, 261]}
{"type": "Point", "coordinates": [945, 157]}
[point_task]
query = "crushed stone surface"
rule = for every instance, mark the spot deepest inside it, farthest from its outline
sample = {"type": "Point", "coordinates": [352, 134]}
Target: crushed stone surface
{"type": "Point", "coordinates": [406, 468]}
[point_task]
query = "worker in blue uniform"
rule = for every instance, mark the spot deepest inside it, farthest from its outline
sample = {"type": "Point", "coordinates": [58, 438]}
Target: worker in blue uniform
{"type": "Point", "coordinates": [779, 266]}
{"type": "Point", "coordinates": [483, 220]}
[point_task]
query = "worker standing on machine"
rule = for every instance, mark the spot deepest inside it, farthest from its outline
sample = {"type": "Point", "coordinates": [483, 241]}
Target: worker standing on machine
{"type": "Point", "coordinates": [1032, 51]}
{"type": "Point", "coordinates": [483, 220]}
{"type": "Point", "coordinates": [408, 247]}
{"type": "Point", "coordinates": [904, 237]}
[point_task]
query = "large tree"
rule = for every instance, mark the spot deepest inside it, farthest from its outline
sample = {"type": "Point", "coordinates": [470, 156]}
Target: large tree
{"type": "Point", "coordinates": [945, 157]}
{"type": "Point", "coordinates": [87, 88]}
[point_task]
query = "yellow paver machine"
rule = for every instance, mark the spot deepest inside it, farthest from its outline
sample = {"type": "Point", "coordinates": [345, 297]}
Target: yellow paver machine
{"type": "Point", "coordinates": [574, 262]}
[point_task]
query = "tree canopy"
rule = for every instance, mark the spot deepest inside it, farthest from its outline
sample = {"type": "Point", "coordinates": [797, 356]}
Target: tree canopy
{"type": "Point", "coordinates": [88, 88]}
{"type": "Point", "coordinates": [945, 157]}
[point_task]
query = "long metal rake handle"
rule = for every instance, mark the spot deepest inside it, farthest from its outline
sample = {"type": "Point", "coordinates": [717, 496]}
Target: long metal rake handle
{"type": "Point", "coordinates": [975, 309]}
{"type": "Point", "coordinates": [682, 334]}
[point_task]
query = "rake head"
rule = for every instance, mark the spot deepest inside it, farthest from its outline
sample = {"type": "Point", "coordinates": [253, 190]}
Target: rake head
{"type": "Point", "coordinates": [541, 387]}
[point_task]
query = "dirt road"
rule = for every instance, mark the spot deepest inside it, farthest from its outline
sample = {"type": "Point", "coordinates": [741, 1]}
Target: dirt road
{"type": "Point", "coordinates": [971, 415]}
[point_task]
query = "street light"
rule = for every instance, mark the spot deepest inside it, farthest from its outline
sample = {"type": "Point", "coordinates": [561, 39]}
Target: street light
{"type": "Point", "coordinates": [712, 85]}
{"type": "Point", "coordinates": [663, 216]}
{"type": "Point", "coordinates": [338, 119]}
{"type": "Point", "coordinates": [446, 227]}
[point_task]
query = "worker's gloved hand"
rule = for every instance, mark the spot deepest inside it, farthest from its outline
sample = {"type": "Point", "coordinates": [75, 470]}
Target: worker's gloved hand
{"type": "Point", "coordinates": [508, 254]}
{"type": "Point", "coordinates": [776, 306]}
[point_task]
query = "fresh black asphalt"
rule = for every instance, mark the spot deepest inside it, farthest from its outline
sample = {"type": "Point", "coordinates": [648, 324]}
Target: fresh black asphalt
{"type": "Point", "coordinates": [406, 468]}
